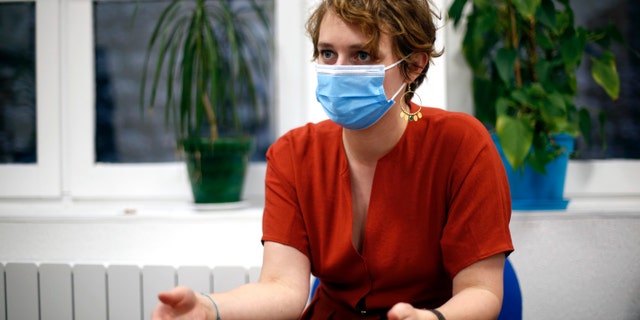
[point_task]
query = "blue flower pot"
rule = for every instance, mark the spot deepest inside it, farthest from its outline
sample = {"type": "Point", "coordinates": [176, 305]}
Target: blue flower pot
{"type": "Point", "coordinates": [531, 190]}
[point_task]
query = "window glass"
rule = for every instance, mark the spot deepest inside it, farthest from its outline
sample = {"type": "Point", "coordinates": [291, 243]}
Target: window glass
{"type": "Point", "coordinates": [622, 127]}
{"type": "Point", "coordinates": [125, 133]}
{"type": "Point", "coordinates": [17, 83]}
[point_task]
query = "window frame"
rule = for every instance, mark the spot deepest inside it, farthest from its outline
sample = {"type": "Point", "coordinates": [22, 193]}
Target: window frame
{"type": "Point", "coordinates": [167, 181]}
{"type": "Point", "coordinates": [41, 179]}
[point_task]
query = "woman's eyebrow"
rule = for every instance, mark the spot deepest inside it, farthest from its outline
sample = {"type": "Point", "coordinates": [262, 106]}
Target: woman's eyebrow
{"type": "Point", "coordinates": [353, 47]}
{"type": "Point", "coordinates": [325, 45]}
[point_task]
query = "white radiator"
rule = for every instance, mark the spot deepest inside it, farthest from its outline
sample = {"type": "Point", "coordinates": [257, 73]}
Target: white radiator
{"type": "Point", "coordinates": [50, 291]}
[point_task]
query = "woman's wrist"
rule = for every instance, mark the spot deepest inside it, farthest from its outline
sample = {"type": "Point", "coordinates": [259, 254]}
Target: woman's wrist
{"type": "Point", "coordinates": [210, 301]}
{"type": "Point", "coordinates": [438, 314]}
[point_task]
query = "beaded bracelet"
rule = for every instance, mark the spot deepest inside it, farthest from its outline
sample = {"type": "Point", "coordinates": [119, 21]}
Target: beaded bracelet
{"type": "Point", "coordinates": [438, 314]}
{"type": "Point", "coordinates": [215, 306]}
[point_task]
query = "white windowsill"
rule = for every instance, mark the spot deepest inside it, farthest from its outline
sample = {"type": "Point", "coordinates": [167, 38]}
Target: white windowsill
{"type": "Point", "coordinates": [15, 210]}
{"type": "Point", "coordinates": [139, 233]}
{"type": "Point", "coordinates": [119, 209]}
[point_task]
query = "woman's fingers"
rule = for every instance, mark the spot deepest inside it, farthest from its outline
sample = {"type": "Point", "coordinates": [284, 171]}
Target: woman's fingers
{"type": "Point", "coordinates": [178, 303]}
{"type": "Point", "coordinates": [401, 311]}
{"type": "Point", "coordinates": [172, 297]}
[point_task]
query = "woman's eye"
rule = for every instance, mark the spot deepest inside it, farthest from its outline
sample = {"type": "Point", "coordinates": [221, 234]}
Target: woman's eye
{"type": "Point", "coordinates": [326, 54]}
{"type": "Point", "coordinates": [363, 56]}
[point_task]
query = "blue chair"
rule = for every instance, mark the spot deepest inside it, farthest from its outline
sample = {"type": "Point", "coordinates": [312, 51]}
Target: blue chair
{"type": "Point", "coordinates": [511, 302]}
{"type": "Point", "coordinates": [512, 299]}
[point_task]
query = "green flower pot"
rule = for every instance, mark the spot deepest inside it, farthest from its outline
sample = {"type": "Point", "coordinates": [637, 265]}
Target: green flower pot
{"type": "Point", "coordinates": [217, 170]}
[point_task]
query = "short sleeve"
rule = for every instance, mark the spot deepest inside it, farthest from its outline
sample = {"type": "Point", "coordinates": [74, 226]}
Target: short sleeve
{"type": "Point", "coordinates": [479, 209]}
{"type": "Point", "coordinates": [282, 220]}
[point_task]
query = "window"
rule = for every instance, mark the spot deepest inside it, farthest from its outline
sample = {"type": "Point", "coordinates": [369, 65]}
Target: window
{"type": "Point", "coordinates": [66, 165]}
{"type": "Point", "coordinates": [124, 132]}
{"type": "Point", "coordinates": [89, 178]}
{"type": "Point", "coordinates": [65, 73]}
{"type": "Point", "coordinates": [622, 129]}
{"type": "Point", "coordinates": [30, 109]}
{"type": "Point", "coordinates": [17, 83]}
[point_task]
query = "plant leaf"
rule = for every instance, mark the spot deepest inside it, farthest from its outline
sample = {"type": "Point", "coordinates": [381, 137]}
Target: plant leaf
{"type": "Point", "coordinates": [526, 8]}
{"type": "Point", "coordinates": [502, 106]}
{"type": "Point", "coordinates": [484, 96]}
{"type": "Point", "coordinates": [605, 73]}
{"type": "Point", "coordinates": [553, 108]}
{"type": "Point", "coordinates": [572, 47]}
{"type": "Point", "coordinates": [482, 34]}
{"type": "Point", "coordinates": [546, 14]}
{"type": "Point", "coordinates": [505, 61]}
{"type": "Point", "coordinates": [516, 138]}
{"type": "Point", "coordinates": [187, 126]}
{"type": "Point", "coordinates": [455, 11]}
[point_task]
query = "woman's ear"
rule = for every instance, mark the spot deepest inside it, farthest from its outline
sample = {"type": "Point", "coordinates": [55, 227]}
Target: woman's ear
{"type": "Point", "coordinates": [419, 61]}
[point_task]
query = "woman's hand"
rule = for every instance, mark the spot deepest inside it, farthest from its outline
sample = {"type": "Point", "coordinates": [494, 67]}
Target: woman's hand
{"type": "Point", "coordinates": [404, 311]}
{"type": "Point", "coordinates": [181, 303]}
{"type": "Point", "coordinates": [280, 293]}
{"type": "Point", "coordinates": [477, 294]}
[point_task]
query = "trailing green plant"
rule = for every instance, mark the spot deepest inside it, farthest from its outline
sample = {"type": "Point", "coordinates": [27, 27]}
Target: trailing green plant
{"type": "Point", "coordinates": [212, 56]}
{"type": "Point", "coordinates": [524, 55]}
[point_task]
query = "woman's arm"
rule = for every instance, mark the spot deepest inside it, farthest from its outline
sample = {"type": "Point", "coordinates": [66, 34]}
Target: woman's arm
{"type": "Point", "coordinates": [280, 293]}
{"type": "Point", "coordinates": [477, 294]}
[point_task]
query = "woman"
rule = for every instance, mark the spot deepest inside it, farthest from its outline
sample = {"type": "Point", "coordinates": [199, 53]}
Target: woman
{"type": "Point", "coordinates": [401, 211]}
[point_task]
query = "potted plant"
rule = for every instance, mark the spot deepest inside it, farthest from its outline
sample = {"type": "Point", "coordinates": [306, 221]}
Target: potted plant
{"type": "Point", "coordinates": [211, 59]}
{"type": "Point", "coordinates": [524, 55]}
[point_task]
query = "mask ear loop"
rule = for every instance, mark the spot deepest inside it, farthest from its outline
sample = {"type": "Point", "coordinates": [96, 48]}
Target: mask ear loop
{"type": "Point", "coordinates": [407, 114]}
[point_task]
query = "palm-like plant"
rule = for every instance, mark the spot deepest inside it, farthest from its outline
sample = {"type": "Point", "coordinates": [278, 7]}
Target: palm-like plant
{"type": "Point", "coordinates": [215, 57]}
{"type": "Point", "coordinates": [524, 55]}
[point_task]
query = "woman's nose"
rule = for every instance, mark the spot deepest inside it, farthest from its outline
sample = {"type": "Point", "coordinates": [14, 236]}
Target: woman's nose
{"type": "Point", "coordinates": [342, 60]}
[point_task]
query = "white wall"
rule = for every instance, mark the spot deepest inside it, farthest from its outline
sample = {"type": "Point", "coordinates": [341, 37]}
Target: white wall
{"type": "Point", "coordinates": [158, 233]}
{"type": "Point", "coordinates": [577, 264]}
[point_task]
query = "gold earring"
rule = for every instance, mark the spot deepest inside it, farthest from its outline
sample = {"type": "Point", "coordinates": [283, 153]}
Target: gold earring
{"type": "Point", "coordinates": [407, 114]}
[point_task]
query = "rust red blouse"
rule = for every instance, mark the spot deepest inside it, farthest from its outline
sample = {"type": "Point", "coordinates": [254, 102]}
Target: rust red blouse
{"type": "Point", "coordinates": [440, 202]}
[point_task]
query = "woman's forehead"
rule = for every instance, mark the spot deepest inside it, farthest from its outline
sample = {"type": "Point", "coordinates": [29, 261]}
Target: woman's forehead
{"type": "Point", "coordinates": [332, 28]}
{"type": "Point", "coordinates": [334, 31]}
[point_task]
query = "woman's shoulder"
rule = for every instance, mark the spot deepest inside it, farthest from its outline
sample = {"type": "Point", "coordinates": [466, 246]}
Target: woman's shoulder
{"type": "Point", "coordinates": [308, 137]}
{"type": "Point", "coordinates": [449, 117]}
{"type": "Point", "coordinates": [449, 128]}
{"type": "Point", "coordinates": [454, 122]}
{"type": "Point", "coordinates": [312, 131]}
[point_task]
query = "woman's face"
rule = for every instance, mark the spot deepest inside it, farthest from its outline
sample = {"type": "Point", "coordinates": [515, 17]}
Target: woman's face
{"type": "Point", "coordinates": [340, 43]}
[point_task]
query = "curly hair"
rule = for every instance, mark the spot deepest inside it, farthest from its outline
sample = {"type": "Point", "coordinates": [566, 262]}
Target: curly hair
{"type": "Point", "coordinates": [410, 24]}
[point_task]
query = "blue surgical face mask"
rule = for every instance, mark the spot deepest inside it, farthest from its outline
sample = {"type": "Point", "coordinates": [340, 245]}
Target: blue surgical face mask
{"type": "Point", "coordinates": [353, 95]}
